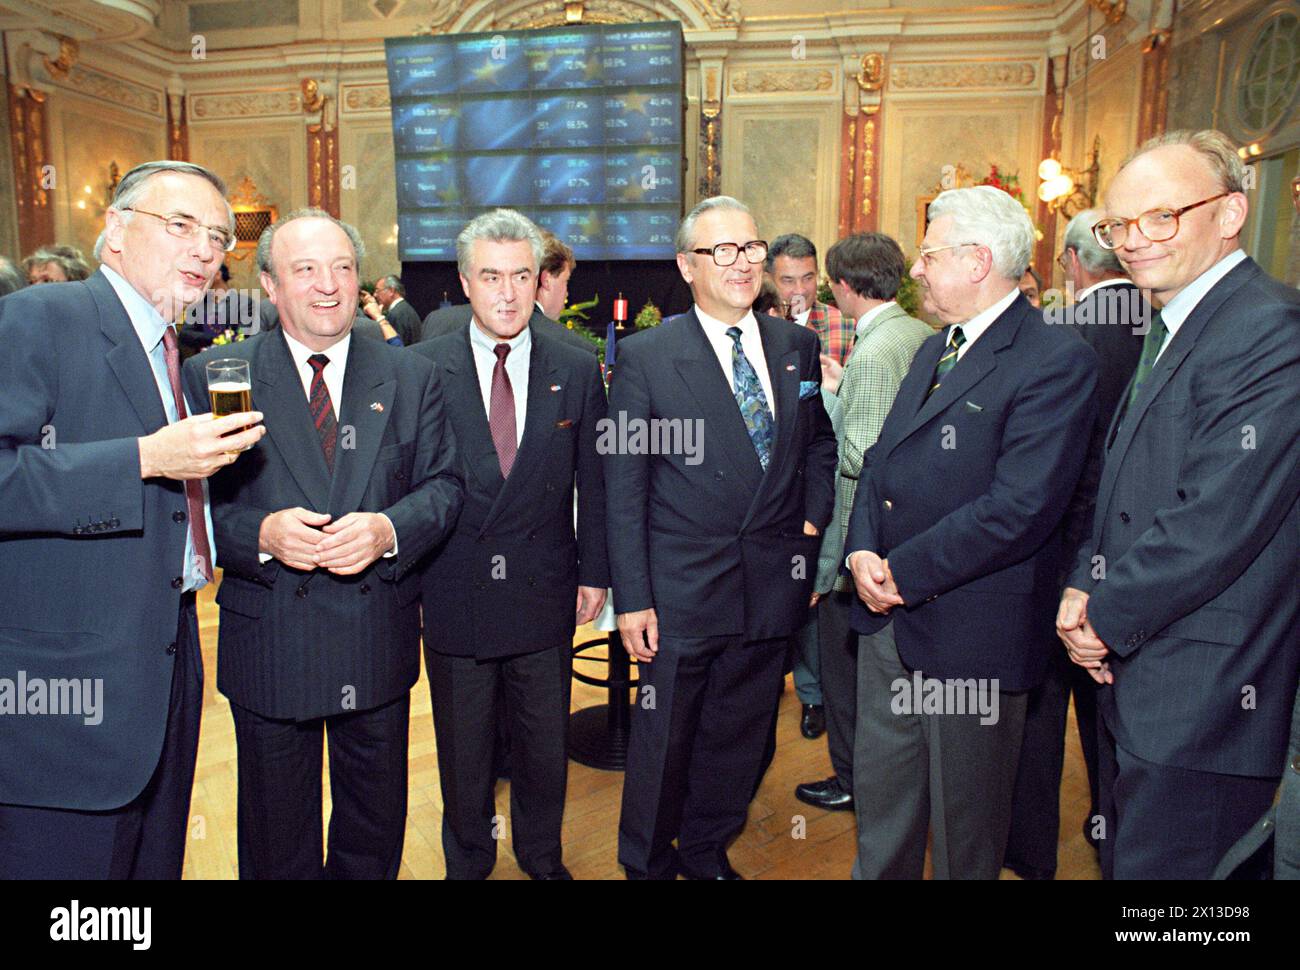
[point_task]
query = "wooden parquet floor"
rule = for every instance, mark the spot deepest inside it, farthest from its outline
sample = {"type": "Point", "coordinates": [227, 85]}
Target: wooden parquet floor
{"type": "Point", "coordinates": [774, 845]}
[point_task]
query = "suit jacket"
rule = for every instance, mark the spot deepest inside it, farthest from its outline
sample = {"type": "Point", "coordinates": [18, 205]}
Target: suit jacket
{"type": "Point", "coordinates": [964, 494]}
{"type": "Point", "coordinates": [1198, 524]}
{"type": "Point", "coordinates": [450, 319]}
{"type": "Point", "coordinates": [405, 321]}
{"type": "Point", "coordinates": [709, 539]}
{"type": "Point", "coordinates": [835, 331]}
{"type": "Point", "coordinates": [299, 645]}
{"type": "Point", "coordinates": [90, 555]}
{"type": "Point", "coordinates": [506, 581]}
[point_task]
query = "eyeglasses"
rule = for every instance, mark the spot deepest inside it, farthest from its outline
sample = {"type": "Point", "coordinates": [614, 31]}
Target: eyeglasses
{"type": "Point", "coordinates": [1158, 225]}
{"type": "Point", "coordinates": [725, 254]}
{"type": "Point", "coordinates": [927, 253]}
{"type": "Point", "coordinates": [183, 227]}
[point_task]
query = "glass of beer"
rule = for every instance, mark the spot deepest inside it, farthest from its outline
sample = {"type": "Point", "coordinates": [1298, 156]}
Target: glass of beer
{"type": "Point", "coordinates": [230, 387]}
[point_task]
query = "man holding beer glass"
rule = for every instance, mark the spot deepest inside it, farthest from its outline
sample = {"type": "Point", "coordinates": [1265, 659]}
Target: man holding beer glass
{"type": "Point", "coordinates": [104, 540]}
{"type": "Point", "coordinates": [319, 527]}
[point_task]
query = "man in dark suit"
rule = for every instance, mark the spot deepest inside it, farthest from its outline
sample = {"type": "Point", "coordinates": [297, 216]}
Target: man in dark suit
{"type": "Point", "coordinates": [1111, 315]}
{"type": "Point", "coordinates": [319, 529]}
{"type": "Point", "coordinates": [390, 295]}
{"type": "Point", "coordinates": [954, 544]}
{"type": "Point", "coordinates": [499, 597]}
{"type": "Point", "coordinates": [720, 479]}
{"type": "Point", "coordinates": [1184, 601]}
{"type": "Point", "coordinates": [104, 540]}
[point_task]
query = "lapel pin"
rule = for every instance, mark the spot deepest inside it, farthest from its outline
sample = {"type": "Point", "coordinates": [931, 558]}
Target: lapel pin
{"type": "Point", "coordinates": [789, 366]}
{"type": "Point", "coordinates": [555, 387]}
{"type": "Point", "coordinates": [377, 407]}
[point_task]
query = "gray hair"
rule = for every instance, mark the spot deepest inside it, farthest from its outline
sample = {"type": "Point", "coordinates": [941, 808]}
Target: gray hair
{"type": "Point", "coordinates": [1079, 237]}
{"type": "Point", "coordinates": [686, 231]}
{"type": "Point", "coordinates": [393, 283]}
{"type": "Point", "coordinates": [1214, 146]}
{"type": "Point", "coordinates": [792, 245]}
{"type": "Point", "coordinates": [11, 279]}
{"type": "Point", "coordinates": [135, 182]}
{"type": "Point", "coordinates": [67, 258]}
{"type": "Point", "coordinates": [989, 217]}
{"type": "Point", "coordinates": [268, 234]}
{"type": "Point", "coordinates": [499, 225]}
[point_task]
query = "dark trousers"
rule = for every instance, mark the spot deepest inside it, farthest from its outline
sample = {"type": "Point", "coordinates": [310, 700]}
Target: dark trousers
{"type": "Point", "coordinates": [1164, 822]}
{"type": "Point", "coordinates": [946, 773]}
{"type": "Point", "coordinates": [466, 716]}
{"type": "Point", "coordinates": [280, 764]}
{"type": "Point", "coordinates": [144, 839]}
{"type": "Point", "coordinates": [839, 667]}
{"type": "Point", "coordinates": [1036, 807]}
{"type": "Point", "coordinates": [700, 725]}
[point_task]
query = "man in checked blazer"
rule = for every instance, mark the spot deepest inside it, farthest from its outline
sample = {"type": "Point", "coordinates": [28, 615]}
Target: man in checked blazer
{"type": "Point", "coordinates": [503, 596]}
{"type": "Point", "coordinates": [865, 270]}
{"type": "Point", "coordinates": [1184, 602]}
{"type": "Point", "coordinates": [955, 548]}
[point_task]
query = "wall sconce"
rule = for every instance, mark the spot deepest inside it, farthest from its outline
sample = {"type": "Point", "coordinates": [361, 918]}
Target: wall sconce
{"type": "Point", "coordinates": [1069, 190]}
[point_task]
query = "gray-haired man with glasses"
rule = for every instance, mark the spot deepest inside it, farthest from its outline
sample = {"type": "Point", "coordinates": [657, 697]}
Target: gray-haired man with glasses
{"type": "Point", "coordinates": [1184, 603]}
{"type": "Point", "coordinates": [713, 548]}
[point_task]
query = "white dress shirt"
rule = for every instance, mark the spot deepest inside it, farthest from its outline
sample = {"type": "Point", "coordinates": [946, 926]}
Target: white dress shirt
{"type": "Point", "coordinates": [864, 321]}
{"type": "Point", "coordinates": [1174, 313]}
{"type": "Point", "coordinates": [517, 361]}
{"type": "Point", "coordinates": [1113, 281]}
{"type": "Point", "coordinates": [751, 342]}
{"type": "Point", "coordinates": [976, 325]}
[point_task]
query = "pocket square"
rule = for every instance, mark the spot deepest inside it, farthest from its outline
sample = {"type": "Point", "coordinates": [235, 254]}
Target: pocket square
{"type": "Point", "coordinates": [973, 408]}
{"type": "Point", "coordinates": [807, 389]}
{"type": "Point", "coordinates": [564, 423]}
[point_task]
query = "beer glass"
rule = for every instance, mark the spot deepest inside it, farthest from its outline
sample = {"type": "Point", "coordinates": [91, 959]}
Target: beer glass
{"type": "Point", "coordinates": [230, 387]}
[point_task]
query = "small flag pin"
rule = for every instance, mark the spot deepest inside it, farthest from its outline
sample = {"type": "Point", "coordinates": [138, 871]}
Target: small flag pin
{"type": "Point", "coordinates": [555, 387]}
{"type": "Point", "coordinates": [789, 366]}
{"type": "Point", "coordinates": [377, 407]}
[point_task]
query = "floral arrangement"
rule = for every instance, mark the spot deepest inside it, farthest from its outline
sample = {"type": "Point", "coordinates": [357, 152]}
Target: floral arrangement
{"type": "Point", "coordinates": [649, 316]}
{"type": "Point", "coordinates": [228, 336]}
{"type": "Point", "coordinates": [1009, 182]}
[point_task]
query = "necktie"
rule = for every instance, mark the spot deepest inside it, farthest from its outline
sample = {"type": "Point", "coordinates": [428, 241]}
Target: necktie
{"type": "Point", "coordinates": [949, 358]}
{"type": "Point", "coordinates": [1151, 344]}
{"type": "Point", "coordinates": [752, 400]}
{"type": "Point", "coordinates": [501, 412]}
{"type": "Point", "coordinates": [193, 488]}
{"type": "Point", "coordinates": [322, 408]}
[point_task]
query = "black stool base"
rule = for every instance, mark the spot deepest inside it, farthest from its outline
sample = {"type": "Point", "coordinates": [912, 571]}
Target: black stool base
{"type": "Point", "coordinates": [594, 742]}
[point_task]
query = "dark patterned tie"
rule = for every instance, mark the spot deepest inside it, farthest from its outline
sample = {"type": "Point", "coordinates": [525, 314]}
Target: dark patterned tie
{"type": "Point", "coordinates": [949, 358]}
{"type": "Point", "coordinates": [193, 487]}
{"type": "Point", "coordinates": [1151, 344]}
{"type": "Point", "coordinates": [322, 408]}
{"type": "Point", "coordinates": [501, 412]}
{"type": "Point", "coordinates": [752, 400]}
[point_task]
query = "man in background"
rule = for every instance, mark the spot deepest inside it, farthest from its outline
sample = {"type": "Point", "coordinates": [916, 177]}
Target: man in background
{"type": "Point", "coordinates": [792, 266]}
{"type": "Point", "coordinates": [390, 295]}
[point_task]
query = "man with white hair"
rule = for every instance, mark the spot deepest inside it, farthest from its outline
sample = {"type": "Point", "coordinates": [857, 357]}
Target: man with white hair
{"type": "Point", "coordinates": [954, 544]}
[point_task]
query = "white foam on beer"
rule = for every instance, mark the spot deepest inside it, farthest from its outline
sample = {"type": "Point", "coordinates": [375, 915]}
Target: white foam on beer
{"type": "Point", "coordinates": [230, 387]}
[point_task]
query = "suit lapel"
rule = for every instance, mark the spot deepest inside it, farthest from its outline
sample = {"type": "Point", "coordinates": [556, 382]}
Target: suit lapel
{"type": "Point", "coordinates": [545, 391]}
{"type": "Point", "coordinates": [127, 358]}
{"type": "Point", "coordinates": [283, 403]}
{"type": "Point", "coordinates": [698, 367]}
{"type": "Point", "coordinates": [782, 356]}
{"type": "Point", "coordinates": [466, 397]}
{"type": "Point", "coordinates": [367, 381]}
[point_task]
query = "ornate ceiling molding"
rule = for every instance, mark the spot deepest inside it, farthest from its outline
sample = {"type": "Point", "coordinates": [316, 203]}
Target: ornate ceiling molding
{"type": "Point", "coordinates": [808, 80]}
{"type": "Point", "coordinates": [1019, 75]}
{"type": "Point", "coordinates": [527, 14]}
{"type": "Point", "coordinates": [259, 104]}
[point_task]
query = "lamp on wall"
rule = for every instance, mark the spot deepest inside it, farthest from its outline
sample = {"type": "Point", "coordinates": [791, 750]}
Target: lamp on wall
{"type": "Point", "coordinates": [1070, 190]}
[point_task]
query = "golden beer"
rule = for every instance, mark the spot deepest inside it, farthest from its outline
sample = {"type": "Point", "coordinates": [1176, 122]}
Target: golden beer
{"type": "Point", "coordinates": [230, 397]}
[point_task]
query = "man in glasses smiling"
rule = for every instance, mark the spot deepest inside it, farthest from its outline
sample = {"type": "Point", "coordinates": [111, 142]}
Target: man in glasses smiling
{"type": "Point", "coordinates": [1184, 602]}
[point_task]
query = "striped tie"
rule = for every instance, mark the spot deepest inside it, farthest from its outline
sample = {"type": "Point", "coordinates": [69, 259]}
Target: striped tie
{"type": "Point", "coordinates": [322, 408]}
{"type": "Point", "coordinates": [955, 340]}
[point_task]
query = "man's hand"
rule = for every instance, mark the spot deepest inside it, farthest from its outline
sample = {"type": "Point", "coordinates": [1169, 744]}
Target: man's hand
{"type": "Point", "coordinates": [195, 448]}
{"type": "Point", "coordinates": [813, 602]}
{"type": "Point", "coordinates": [832, 372]}
{"type": "Point", "coordinates": [370, 306]}
{"type": "Point", "coordinates": [353, 542]}
{"type": "Point", "coordinates": [590, 601]}
{"type": "Point", "coordinates": [1081, 641]}
{"type": "Point", "coordinates": [809, 529]}
{"type": "Point", "coordinates": [873, 581]}
{"type": "Point", "coordinates": [292, 536]}
{"type": "Point", "coordinates": [640, 633]}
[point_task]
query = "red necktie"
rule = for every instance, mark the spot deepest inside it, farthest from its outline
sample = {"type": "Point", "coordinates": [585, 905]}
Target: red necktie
{"type": "Point", "coordinates": [501, 412]}
{"type": "Point", "coordinates": [322, 408]}
{"type": "Point", "coordinates": [193, 488]}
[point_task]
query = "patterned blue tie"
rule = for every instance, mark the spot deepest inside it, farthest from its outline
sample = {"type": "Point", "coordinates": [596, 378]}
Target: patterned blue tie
{"type": "Point", "coordinates": [752, 400]}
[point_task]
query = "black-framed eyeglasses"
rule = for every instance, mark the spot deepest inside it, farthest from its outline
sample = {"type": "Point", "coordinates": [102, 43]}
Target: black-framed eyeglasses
{"type": "Point", "coordinates": [183, 227]}
{"type": "Point", "coordinates": [1158, 225]}
{"type": "Point", "coordinates": [725, 254]}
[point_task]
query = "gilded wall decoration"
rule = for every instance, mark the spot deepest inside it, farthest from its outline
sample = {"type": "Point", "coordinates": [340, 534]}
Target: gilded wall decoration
{"type": "Point", "coordinates": [765, 82]}
{"type": "Point", "coordinates": [259, 104]}
{"type": "Point", "coordinates": [106, 88]}
{"type": "Point", "coordinates": [1008, 75]}
{"type": "Point", "coordinates": [370, 97]}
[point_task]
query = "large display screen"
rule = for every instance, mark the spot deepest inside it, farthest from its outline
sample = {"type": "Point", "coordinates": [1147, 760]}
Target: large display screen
{"type": "Point", "coordinates": [579, 128]}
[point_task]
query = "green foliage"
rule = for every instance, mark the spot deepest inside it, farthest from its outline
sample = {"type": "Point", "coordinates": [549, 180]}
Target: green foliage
{"type": "Point", "coordinates": [909, 295]}
{"type": "Point", "coordinates": [577, 312]}
{"type": "Point", "coordinates": [649, 316]}
{"type": "Point", "coordinates": [824, 294]}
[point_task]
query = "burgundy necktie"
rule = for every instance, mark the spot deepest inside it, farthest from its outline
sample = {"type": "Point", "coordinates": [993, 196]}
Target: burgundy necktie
{"type": "Point", "coordinates": [193, 488]}
{"type": "Point", "coordinates": [322, 408]}
{"type": "Point", "coordinates": [501, 412]}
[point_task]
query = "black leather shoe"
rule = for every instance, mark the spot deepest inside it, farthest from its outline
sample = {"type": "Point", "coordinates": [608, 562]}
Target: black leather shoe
{"type": "Point", "coordinates": [813, 723]}
{"type": "Point", "coordinates": [828, 794]}
{"type": "Point", "coordinates": [562, 874]}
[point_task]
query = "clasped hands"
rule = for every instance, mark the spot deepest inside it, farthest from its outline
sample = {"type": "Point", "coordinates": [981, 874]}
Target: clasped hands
{"type": "Point", "coordinates": [1081, 641]}
{"type": "Point", "coordinates": [874, 581]}
{"type": "Point", "coordinates": [309, 540]}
